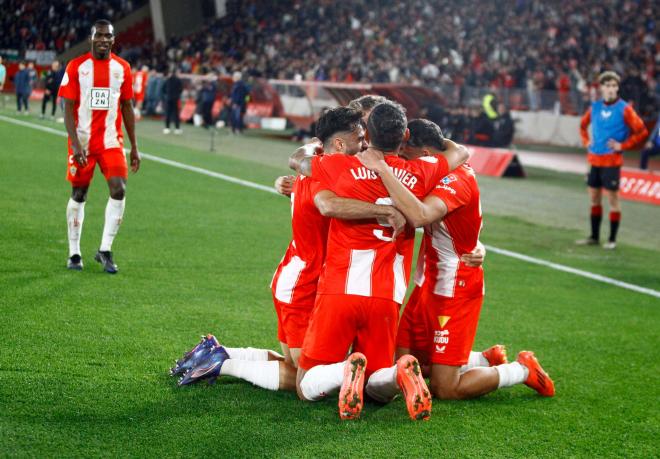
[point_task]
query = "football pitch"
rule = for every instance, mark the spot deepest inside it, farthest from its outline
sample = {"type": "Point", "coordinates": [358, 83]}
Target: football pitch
{"type": "Point", "coordinates": [84, 355]}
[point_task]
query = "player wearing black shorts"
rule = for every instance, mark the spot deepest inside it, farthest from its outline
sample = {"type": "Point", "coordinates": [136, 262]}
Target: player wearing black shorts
{"type": "Point", "coordinates": [615, 127]}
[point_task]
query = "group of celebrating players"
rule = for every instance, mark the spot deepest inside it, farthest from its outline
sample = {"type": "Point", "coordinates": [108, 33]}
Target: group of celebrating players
{"type": "Point", "coordinates": [362, 188]}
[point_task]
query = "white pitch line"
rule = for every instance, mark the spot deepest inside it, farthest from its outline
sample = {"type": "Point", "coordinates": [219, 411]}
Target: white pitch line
{"type": "Point", "coordinates": [257, 186]}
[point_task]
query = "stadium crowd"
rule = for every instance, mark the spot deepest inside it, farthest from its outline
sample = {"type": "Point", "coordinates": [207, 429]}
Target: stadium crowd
{"type": "Point", "coordinates": [550, 55]}
{"type": "Point", "coordinates": [57, 24]}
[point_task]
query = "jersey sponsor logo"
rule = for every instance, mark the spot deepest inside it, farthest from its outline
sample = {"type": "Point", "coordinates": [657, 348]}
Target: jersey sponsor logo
{"type": "Point", "coordinates": [606, 113]}
{"type": "Point", "coordinates": [440, 349]}
{"type": "Point", "coordinates": [447, 188]}
{"type": "Point", "coordinates": [441, 337]}
{"type": "Point", "coordinates": [99, 98]}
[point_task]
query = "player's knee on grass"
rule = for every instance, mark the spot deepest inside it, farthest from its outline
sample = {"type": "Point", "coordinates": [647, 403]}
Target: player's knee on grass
{"type": "Point", "coordinates": [445, 382]}
{"type": "Point", "coordinates": [79, 194]}
{"type": "Point", "coordinates": [117, 186]}
{"type": "Point", "coordinates": [299, 377]}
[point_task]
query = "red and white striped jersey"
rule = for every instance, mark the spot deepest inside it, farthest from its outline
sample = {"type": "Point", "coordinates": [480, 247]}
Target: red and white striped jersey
{"type": "Point", "coordinates": [296, 278]}
{"type": "Point", "coordinates": [97, 86]}
{"type": "Point", "coordinates": [362, 259]}
{"type": "Point", "coordinates": [456, 234]}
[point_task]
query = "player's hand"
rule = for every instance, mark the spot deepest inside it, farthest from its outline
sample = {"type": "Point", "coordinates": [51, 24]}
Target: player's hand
{"type": "Point", "coordinates": [648, 143]}
{"type": "Point", "coordinates": [614, 145]}
{"type": "Point", "coordinates": [314, 147]}
{"type": "Point", "coordinates": [475, 258]}
{"type": "Point", "coordinates": [79, 153]}
{"type": "Point", "coordinates": [135, 159]}
{"type": "Point", "coordinates": [284, 184]}
{"type": "Point", "coordinates": [397, 221]}
{"type": "Point", "coordinates": [372, 159]}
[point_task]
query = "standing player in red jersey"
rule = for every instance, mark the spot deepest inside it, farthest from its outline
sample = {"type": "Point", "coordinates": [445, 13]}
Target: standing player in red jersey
{"type": "Point", "coordinates": [140, 80]}
{"type": "Point", "coordinates": [294, 284]}
{"type": "Point", "coordinates": [97, 92]}
{"type": "Point", "coordinates": [452, 295]}
{"type": "Point", "coordinates": [364, 278]}
{"type": "Point", "coordinates": [614, 127]}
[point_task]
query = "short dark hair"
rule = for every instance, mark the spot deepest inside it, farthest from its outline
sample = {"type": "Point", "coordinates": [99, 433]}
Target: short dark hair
{"type": "Point", "coordinates": [386, 126]}
{"type": "Point", "coordinates": [100, 22]}
{"type": "Point", "coordinates": [366, 102]}
{"type": "Point", "coordinates": [425, 133]}
{"type": "Point", "coordinates": [339, 119]}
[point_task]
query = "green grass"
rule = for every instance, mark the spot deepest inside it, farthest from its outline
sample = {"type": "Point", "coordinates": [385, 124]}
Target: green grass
{"type": "Point", "coordinates": [83, 367]}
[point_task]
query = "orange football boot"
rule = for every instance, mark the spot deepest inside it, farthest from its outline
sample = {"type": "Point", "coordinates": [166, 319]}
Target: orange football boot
{"type": "Point", "coordinates": [351, 398]}
{"type": "Point", "coordinates": [496, 355]}
{"type": "Point", "coordinates": [538, 379]}
{"type": "Point", "coordinates": [415, 391]}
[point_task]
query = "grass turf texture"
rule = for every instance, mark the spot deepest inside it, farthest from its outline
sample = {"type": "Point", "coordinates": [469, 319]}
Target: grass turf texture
{"type": "Point", "coordinates": [83, 370]}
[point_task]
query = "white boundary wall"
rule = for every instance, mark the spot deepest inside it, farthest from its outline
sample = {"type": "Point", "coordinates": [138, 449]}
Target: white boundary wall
{"type": "Point", "coordinates": [547, 128]}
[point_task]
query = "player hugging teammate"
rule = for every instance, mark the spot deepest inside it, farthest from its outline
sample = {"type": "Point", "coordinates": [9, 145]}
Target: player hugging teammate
{"type": "Point", "coordinates": [353, 209]}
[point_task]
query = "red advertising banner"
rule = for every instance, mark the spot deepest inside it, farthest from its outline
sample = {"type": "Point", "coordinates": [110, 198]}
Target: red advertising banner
{"type": "Point", "coordinates": [639, 185]}
{"type": "Point", "coordinates": [496, 162]}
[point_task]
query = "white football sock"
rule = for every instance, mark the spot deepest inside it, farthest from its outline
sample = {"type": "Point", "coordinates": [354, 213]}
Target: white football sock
{"type": "Point", "coordinates": [322, 380]}
{"type": "Point", "coordinates": [382, 385]}
{"type": "Point", "coordinates": [75, 214]}
{"type": "Point", "coordinates": [114, 212]}
{"type": "Point", "coordinates": [511, 374]}
{"type": "Point", "coordinates": [248, 353]}
{"type": "Point", "coordinates": [265, 374]}
{"type": "Point", "coordinates": [476, 359]}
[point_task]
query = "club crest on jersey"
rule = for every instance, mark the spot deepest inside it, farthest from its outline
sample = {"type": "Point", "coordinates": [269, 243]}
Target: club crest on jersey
{"type": "Point", "coordinates": [73, 170]}
{"type": "Point", "coordinates": [448, 179]}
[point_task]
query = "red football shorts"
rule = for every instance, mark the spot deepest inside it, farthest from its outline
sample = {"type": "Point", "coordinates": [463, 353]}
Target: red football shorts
{"type": "Point", "coordinates": [440, 330]}
{"type": "Point", "coordinates": [412, 332]}
{"type": "Point", "coordinates": [339, 321]}
{"type": "Point", "coordinates": [292, 321]}
{"type": "Point", "coordinates": [112, 163]}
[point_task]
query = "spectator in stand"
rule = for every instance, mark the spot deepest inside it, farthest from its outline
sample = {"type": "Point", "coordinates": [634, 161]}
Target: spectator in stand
{"type": "Point", "coordinates": [504, 127]}
{"type": "Point", "coordinates": [172, 90]}
{"type": "Point", "coordinates": [52, 82]}
{"type": "Point", "coordinates": [652, 146]}
{"type": "Point", "coordinates": [240, 92]}
{"type": "Point", "coordinates": [33, 76]}
{"type": "Point", "coordinates": [23, 88]}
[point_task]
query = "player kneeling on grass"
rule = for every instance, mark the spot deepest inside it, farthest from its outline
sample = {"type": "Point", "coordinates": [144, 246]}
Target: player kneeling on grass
{"type": "Point", "coordinates": [97, 92]}
{"type": "Point", "coordinates": [364, 279]}
{"type": "Point", "coordinates": [295, 282]}
{"type": "Point", "coordinates": [447, 312]}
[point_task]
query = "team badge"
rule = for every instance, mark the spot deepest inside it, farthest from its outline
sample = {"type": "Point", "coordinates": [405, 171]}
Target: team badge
{"type": "Point", "coordinates": [73, 170]}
